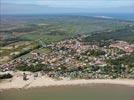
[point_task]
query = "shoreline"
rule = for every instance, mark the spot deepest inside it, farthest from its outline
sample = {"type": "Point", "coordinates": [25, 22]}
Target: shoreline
{"type": "Point", "coordinates": [44, 81]}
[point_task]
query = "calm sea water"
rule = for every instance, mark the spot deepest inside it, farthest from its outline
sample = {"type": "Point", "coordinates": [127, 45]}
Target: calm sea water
{"type": "Point", "coordinates": [120, 16]}
{"type": "Point", "coordinates": [94, 92]}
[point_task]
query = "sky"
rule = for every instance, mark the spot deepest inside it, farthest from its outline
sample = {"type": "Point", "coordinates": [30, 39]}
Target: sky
{"type": "Point", "coordinates": [66, 6]}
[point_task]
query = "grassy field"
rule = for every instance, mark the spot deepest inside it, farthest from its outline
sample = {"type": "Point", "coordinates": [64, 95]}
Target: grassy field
{"type": "Point", "coordinates": [54, 28]}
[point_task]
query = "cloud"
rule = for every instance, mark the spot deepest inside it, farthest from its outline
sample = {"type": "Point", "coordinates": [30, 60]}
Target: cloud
{"type": "Point", "coordinates": [75, 3]}
{"type": "Point", "coordinates": [67, 6]}
{"type": "Point", "coordinates": [86, 3]}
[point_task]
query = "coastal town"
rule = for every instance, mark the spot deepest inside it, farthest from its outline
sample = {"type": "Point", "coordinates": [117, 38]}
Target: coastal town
{"type": "Point", "coordinates": [75, 59]}
{"type": "Point", "coordinates": [66, 50]}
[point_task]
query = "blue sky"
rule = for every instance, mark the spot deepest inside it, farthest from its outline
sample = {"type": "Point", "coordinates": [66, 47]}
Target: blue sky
{"type": "Point", "coordinates": [63, 6]}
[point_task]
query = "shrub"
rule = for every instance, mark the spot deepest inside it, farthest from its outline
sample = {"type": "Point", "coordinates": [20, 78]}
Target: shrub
{"type": "Point", "coordinates": [6, 76]}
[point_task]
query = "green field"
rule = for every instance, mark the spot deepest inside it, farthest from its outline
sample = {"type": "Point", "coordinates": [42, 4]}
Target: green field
{"type": "Point", "coordinates": [54, 28]}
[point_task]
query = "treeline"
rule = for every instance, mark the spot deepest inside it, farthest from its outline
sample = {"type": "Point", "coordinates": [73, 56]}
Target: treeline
{"type": "Point", "coordinates": [87, 72]}
{"type": "Point", "coordinates": [126, 34]}
{"type": "Point", "coordinates": [126, 60]}
{"type": "Point", "coordinates": [25, 51]}
{"type": "Point", "coordinates": [94, 53]}
{"type": "Point", "coordinates": [8, 41]}
{"type": "Point", "coordinates": [26, 28]}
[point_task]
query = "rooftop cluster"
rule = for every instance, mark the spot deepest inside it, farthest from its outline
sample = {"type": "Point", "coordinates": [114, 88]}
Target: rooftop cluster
{"type": "Point", "coordinates": [77, 59]}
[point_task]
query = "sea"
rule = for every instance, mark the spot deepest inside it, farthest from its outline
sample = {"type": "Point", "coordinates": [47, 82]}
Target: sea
{"type": "Point", "coordinates": [80, 92]}
{"type": "Point", "coordinates": [120, 16]}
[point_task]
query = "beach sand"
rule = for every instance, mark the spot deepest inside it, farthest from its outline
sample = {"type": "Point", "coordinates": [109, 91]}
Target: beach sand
{"type": "Point", "coordinates": [17, 82]}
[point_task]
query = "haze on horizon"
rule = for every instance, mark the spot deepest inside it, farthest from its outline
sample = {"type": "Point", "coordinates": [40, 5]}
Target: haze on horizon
{"type": "Point", "coordinates": [66, 6]}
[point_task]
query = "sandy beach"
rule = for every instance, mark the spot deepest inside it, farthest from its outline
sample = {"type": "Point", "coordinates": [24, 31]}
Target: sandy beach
{"type": "Point", "coordinates": [17, 82]}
